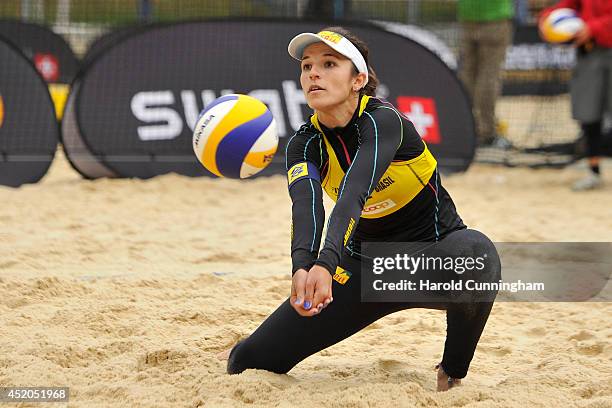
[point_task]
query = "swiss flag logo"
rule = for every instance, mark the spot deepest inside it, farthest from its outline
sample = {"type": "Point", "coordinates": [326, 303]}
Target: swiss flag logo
{"type": "Point", "coordinates": [48, 66]}
{"type": "Point", "coordinates": [422, 113]}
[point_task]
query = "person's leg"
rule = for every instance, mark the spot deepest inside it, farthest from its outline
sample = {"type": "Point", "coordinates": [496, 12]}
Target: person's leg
{"type": "Point", "coordinates": [469, 65]}
{"type": "Point", "coordinates": [468, 62]}
{"type": "Point", "coordinates": [286, 338]}
{"type": "Point", "coordinates": [465, 323]}
{"type": "Point", "coordinates": [588, 92]}
{"type": "Point", "coordinates": [466, 319]}
{"type": "Point", "coordinates": [593, 135]}
{"type": "Point", "coordinates": [494, 39]}
{"type": "Point", "coordinates": [467, 311]}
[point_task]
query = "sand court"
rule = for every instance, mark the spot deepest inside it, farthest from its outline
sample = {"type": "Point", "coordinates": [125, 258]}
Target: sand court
{"type": "Point", "coordinates": [125, 291]}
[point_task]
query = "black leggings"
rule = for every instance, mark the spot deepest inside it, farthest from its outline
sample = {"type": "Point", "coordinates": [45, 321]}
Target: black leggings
{"type": "Point", "coordinates": [286, 338]}
{"type": "Point", "coordinates": [594, 136]}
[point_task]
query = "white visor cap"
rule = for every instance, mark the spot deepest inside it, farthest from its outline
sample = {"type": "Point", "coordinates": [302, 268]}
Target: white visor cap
{"type": "Point", "coordinates": [335, 41]}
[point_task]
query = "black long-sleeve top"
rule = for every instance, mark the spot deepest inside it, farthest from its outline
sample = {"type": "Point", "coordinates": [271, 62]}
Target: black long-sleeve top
{"type": "Point", "coordinates": [380, 173]}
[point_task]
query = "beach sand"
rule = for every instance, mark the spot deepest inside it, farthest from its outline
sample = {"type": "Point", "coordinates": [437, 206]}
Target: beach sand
{"type": "Point", "coordinates": [125, 290]}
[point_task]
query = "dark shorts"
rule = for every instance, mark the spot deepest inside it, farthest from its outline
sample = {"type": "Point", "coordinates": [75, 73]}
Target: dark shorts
{"type": "Point", "coordinates": [591, 85]}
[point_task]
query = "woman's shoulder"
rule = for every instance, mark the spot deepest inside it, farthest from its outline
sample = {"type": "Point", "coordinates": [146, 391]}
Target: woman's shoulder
{"type": "Point", "coordinates": [381, 111]}
{"type": "Point", "coordinates": [379, 108]}
{"type": "Point", "coordinates": [304, 145]}
{"type": "Point", "coordinates": [304, 133]}
{"type": "Point", "coordinates": [382, 118]}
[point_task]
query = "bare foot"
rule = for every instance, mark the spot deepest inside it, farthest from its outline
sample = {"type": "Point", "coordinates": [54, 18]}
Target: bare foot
{"type": "Point", "coordinates": [224, 355]}
{"type": "Point", "coordinates": [445, 382]}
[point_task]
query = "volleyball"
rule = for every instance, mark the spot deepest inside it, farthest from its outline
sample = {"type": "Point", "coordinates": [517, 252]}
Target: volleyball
{"type": "Point", "coordinates": [235, 136]}
{"type": "Point", "coordinates": [560, 26]}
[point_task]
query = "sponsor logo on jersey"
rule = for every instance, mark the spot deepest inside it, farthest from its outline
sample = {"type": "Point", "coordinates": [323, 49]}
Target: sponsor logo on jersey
{"type": "Point", "coordinates": [379, 207]}
{"type": "Point", "coordinates": [342, 276]}
{"type": "Point", "coordinates": [349, 229]}
{"type": "Point", "coordinates": [330, 36]}
{"type": "Point", "coordinates": [297, 171]}
{"type": "Point", "coordinates": [384, 183]}
{"type": "Point", "coordinates": [1, 111]}
{"type": "Point", "coordinates": [48, 66]}
{"type": "Point", "coordinates": [423, 114]}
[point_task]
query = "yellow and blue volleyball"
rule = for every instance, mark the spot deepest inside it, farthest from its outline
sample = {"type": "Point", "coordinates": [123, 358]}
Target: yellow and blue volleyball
{"type": "Point", "coordinates": [235, 136]}
{"type": "Point", "coordinates": [561, 26]}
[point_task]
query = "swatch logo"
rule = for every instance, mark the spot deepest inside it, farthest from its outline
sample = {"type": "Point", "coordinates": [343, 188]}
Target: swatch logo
{"type": "Point", "coordinates": [1, 111]}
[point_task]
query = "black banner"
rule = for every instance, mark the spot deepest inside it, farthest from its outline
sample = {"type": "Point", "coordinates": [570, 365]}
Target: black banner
{"type": "Point", "coordinates": [534, 67]}
{"type": "Point", "coordinates": [109, 39]}
{"type": "Point", "coordinates": [137, 103]}
{"type": "Point", "coordinates": [28, 129]}
{"type": "Point", "coordinates": [49, 52]}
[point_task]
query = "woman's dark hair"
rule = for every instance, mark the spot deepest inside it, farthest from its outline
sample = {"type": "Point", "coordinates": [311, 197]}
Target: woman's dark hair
{"type": "Point", "coordinates": [370, 88]}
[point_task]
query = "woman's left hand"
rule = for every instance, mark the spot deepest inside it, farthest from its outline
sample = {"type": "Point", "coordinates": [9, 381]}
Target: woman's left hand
{"type": "Point", "coordinates": [318, 288]}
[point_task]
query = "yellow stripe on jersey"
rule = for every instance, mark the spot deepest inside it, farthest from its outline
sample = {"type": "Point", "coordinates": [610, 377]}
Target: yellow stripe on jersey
{"type": "Point", "coordinates": [364, 101]}
{"type": "Point", "coordinates": [349, 229]}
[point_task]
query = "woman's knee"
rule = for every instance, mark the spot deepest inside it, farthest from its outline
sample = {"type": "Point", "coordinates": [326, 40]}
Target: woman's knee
{"type": "Point", "coordinates": [478, 246]}
{"type": "Point", "coordinates": [238, 360]}
{"type": "Point", "coordinates": [246, 355]}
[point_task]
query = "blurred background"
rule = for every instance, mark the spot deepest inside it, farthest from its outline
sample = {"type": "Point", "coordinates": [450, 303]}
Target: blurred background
{"type": "Point", "coordinates": [533, 117]}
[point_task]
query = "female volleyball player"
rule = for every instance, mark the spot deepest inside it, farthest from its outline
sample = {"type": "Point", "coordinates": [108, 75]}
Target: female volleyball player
{"type": "Point", "coordinates": [371, 161]}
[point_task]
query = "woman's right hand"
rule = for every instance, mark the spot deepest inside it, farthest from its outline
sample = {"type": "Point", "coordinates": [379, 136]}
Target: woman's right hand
{"type": "Point", "coordinates": [298, 293]}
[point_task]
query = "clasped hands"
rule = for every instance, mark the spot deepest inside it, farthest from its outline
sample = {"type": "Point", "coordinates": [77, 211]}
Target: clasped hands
{"type": "Point", "coordinates": [311, 291]}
